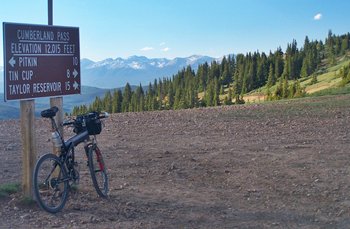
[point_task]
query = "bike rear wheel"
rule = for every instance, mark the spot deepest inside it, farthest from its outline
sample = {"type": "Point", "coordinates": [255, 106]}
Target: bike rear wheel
{"type": "Point", "coordinates": [50, 183]}
{"type": "Point", "coordinates": [98, 171]}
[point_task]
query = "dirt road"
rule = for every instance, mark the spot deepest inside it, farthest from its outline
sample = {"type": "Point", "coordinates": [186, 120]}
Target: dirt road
{"type": "Point", "coordinates": [275, 165]}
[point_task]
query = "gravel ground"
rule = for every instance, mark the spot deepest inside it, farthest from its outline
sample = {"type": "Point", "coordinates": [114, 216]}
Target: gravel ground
{"type": "Point", "coordinates": [272, 165]}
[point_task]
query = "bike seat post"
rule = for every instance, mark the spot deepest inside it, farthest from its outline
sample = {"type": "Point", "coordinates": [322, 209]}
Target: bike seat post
{"type": "Point", "coordinates": [53, 124]}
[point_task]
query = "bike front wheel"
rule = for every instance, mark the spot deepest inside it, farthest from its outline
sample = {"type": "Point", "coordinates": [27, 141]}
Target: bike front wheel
{"type": "Point", "coordinates": [50, 183]}
{"type": "Point", "coordinates": [98, 171]}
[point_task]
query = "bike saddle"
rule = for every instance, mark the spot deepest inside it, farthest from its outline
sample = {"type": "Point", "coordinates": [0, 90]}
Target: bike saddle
{"type": "Point", "coordinates": [49, 113]}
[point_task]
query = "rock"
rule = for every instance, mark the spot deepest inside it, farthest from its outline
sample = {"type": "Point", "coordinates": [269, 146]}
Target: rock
{"type": "Point", "coordinates": [25, 216]}
{"type": "Point", "coordinates": [93, 219]}
{"type": "Point", "coordinates": [173, 166]}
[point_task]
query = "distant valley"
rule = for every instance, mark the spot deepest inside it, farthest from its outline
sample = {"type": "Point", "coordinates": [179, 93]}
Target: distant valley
{"type": "Point", "coordinates": [10, 109]}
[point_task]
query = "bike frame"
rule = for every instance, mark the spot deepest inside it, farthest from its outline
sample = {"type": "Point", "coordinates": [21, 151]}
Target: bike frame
{"type": "Point", "coordinates": [69, 145]}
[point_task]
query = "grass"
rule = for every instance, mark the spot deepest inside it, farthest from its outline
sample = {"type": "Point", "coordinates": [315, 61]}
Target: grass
{"type": "Point", "coordinates": [11, 188]}
{"type": "Point", "coordinates": [8, 189]}
{"type": "Point", "coordinates": [27, 201]}
{"type": "Point", "coordinates": [328, 83]}
{"type": "Point", "coordinates": [332, 91]}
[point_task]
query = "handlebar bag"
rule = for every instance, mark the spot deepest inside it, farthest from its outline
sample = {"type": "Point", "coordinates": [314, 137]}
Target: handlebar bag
{"type": "Point", "coordinates": [89, 122]}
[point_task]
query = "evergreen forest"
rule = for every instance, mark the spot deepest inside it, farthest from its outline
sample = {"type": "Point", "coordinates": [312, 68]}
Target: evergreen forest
{"type": "Point", "coordinates": [228, 81]}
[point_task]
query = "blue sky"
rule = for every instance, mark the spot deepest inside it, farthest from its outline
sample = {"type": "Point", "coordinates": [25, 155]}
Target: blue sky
{"type": "Point", "coordinates": [180, 28]}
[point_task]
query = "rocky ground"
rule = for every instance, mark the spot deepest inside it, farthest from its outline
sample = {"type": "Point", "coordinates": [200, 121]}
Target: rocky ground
{"type": "Point", "coordinates": [275, 165]}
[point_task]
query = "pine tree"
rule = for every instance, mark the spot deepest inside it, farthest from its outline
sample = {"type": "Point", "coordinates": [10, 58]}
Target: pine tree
{"type": "Point", "coordinates": [225, 77]}
{"type": "Point", "coordinates": [228, 98]}
{"type": "Point", "coordinates": [237, 84]}
{"type": "Point", "coordinates": [117, 101]}
{"type": "Point", "coordinates": [305, 68]}
{"type": "Point", "coordinates": [299, 91]}
{"type": "Point", "coordinates": [269, 96]}
{"type": "Point", "coordinates": [292, 90]}
{"type": "Point", "coordinates": [285, 88]}
{"type": "Point", "coordinates": [178, 97]}
{"type": "Point", "coordinates": [330, 43]}
{"type": "Point", "coordinates": [107, 102]}
{"type": "Point", "coordinates": [126, 98]}
{"type": "Point", "coordinates": [279, 64]}
{"type": "Point", "coordinates": [279, 90]}
{"type": "Point", "coordinates": [97, 105]}
{"type": "Point", "coordinates": [314, 79]}
{"type": "Point", "coordinates": [209, 94]}
{"type": "Point", "coordinates": [262, 71]}
{"type": "Point", "coordinates": [345, 44]}
{"type": "Point", "coordinates": [216, 99]}
{"type": "Point", "coordinates": [271, 79]}
{"type": "Point", "coordinates": [170, 98]}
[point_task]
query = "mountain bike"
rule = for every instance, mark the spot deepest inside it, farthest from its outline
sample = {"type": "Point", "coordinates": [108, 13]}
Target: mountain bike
{"type": "Point", "coordinates": [54, 175]}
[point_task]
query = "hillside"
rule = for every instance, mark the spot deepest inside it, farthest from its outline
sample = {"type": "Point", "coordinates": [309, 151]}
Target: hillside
{"type": "Point", "coordinates": [328, 82]}
{"type": "Point", "coordinates": [273, 165]}
{"type": "Point", "coordinates": [250, 77]}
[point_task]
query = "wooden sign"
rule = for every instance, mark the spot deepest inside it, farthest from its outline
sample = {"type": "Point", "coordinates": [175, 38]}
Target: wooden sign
{"type": "Point", "coordinates": [40, 61]}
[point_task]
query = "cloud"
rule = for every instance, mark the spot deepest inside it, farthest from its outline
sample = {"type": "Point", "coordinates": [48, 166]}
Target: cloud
{"type": "Point", "coordinates": [162, 44]}
{"type": "Point", "coordinates": [165, 49]}
{"type": "Point", "coordinates": [147, 49]}
{"type": "Point", "coordinates": [318, 16]}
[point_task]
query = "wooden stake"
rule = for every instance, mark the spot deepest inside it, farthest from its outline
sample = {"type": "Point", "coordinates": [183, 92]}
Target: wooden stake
{"type": "Point", "coordinates": [28, 145]}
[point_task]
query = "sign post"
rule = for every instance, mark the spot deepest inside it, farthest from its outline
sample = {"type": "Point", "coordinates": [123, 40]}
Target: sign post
{"type": "Point", "coordinates": [28, 145]}
{"type": "Point", "coordinates": [39, 61]}
{"type": "Point", "coordinates": [56, 101]}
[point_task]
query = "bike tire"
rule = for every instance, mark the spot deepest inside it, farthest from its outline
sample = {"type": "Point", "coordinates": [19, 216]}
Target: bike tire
{"type": "Point", "coordinates": [98, 171]}
{"type": "Point", "coordinates": [50, 183]}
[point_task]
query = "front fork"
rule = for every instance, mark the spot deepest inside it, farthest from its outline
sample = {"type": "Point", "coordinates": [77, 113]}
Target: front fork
{"type": "Point", "coordinates": [93, 144]}
{"type": "Point", "coordinates": [87, 144]}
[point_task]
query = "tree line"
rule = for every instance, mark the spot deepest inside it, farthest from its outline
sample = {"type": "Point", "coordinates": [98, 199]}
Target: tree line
{"type": "Point", "coordinates": [226, 82]}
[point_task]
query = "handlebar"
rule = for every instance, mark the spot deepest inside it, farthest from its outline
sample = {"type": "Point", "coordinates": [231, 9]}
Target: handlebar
{"type": "Point", "coordinates": [68, 123]}
{"type": "Point", "coordinates": [72, 122]}
{"type": "Point", "coordinates": [104, 115]}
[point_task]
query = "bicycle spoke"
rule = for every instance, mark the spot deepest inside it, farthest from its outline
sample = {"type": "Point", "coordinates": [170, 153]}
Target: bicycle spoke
{"type": "Point", "coordinates": [50, 187]}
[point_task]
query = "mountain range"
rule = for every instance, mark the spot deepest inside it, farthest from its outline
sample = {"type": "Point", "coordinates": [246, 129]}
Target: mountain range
{"type": "Point", "coordinates": [113, 73]}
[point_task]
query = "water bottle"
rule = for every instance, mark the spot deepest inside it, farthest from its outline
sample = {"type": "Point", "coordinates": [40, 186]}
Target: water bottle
{"type": "Point", "coordinates": [56, 140]}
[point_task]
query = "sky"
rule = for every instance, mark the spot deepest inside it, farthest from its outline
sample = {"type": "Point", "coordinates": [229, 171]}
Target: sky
{"type": "Point", "coordinates": [181, 28]}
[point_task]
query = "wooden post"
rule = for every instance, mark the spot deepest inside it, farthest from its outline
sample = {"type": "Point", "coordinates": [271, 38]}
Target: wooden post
{"type": "Point", "coordinates": [28, 145]}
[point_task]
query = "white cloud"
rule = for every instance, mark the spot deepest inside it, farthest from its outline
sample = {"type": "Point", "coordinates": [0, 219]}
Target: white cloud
{"type": "Point", "coordinates": [318, 16]}
{"type": "Point", "coordinates": [162, 44]}
{"type": "Point", "coordinates": [147, 49]}
{"type": "Point", "coordinates": [165, 49]}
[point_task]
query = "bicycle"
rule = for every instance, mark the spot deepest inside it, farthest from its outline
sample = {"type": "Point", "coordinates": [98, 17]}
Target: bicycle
{"type": "Point", "coordinates": [54, 175]}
